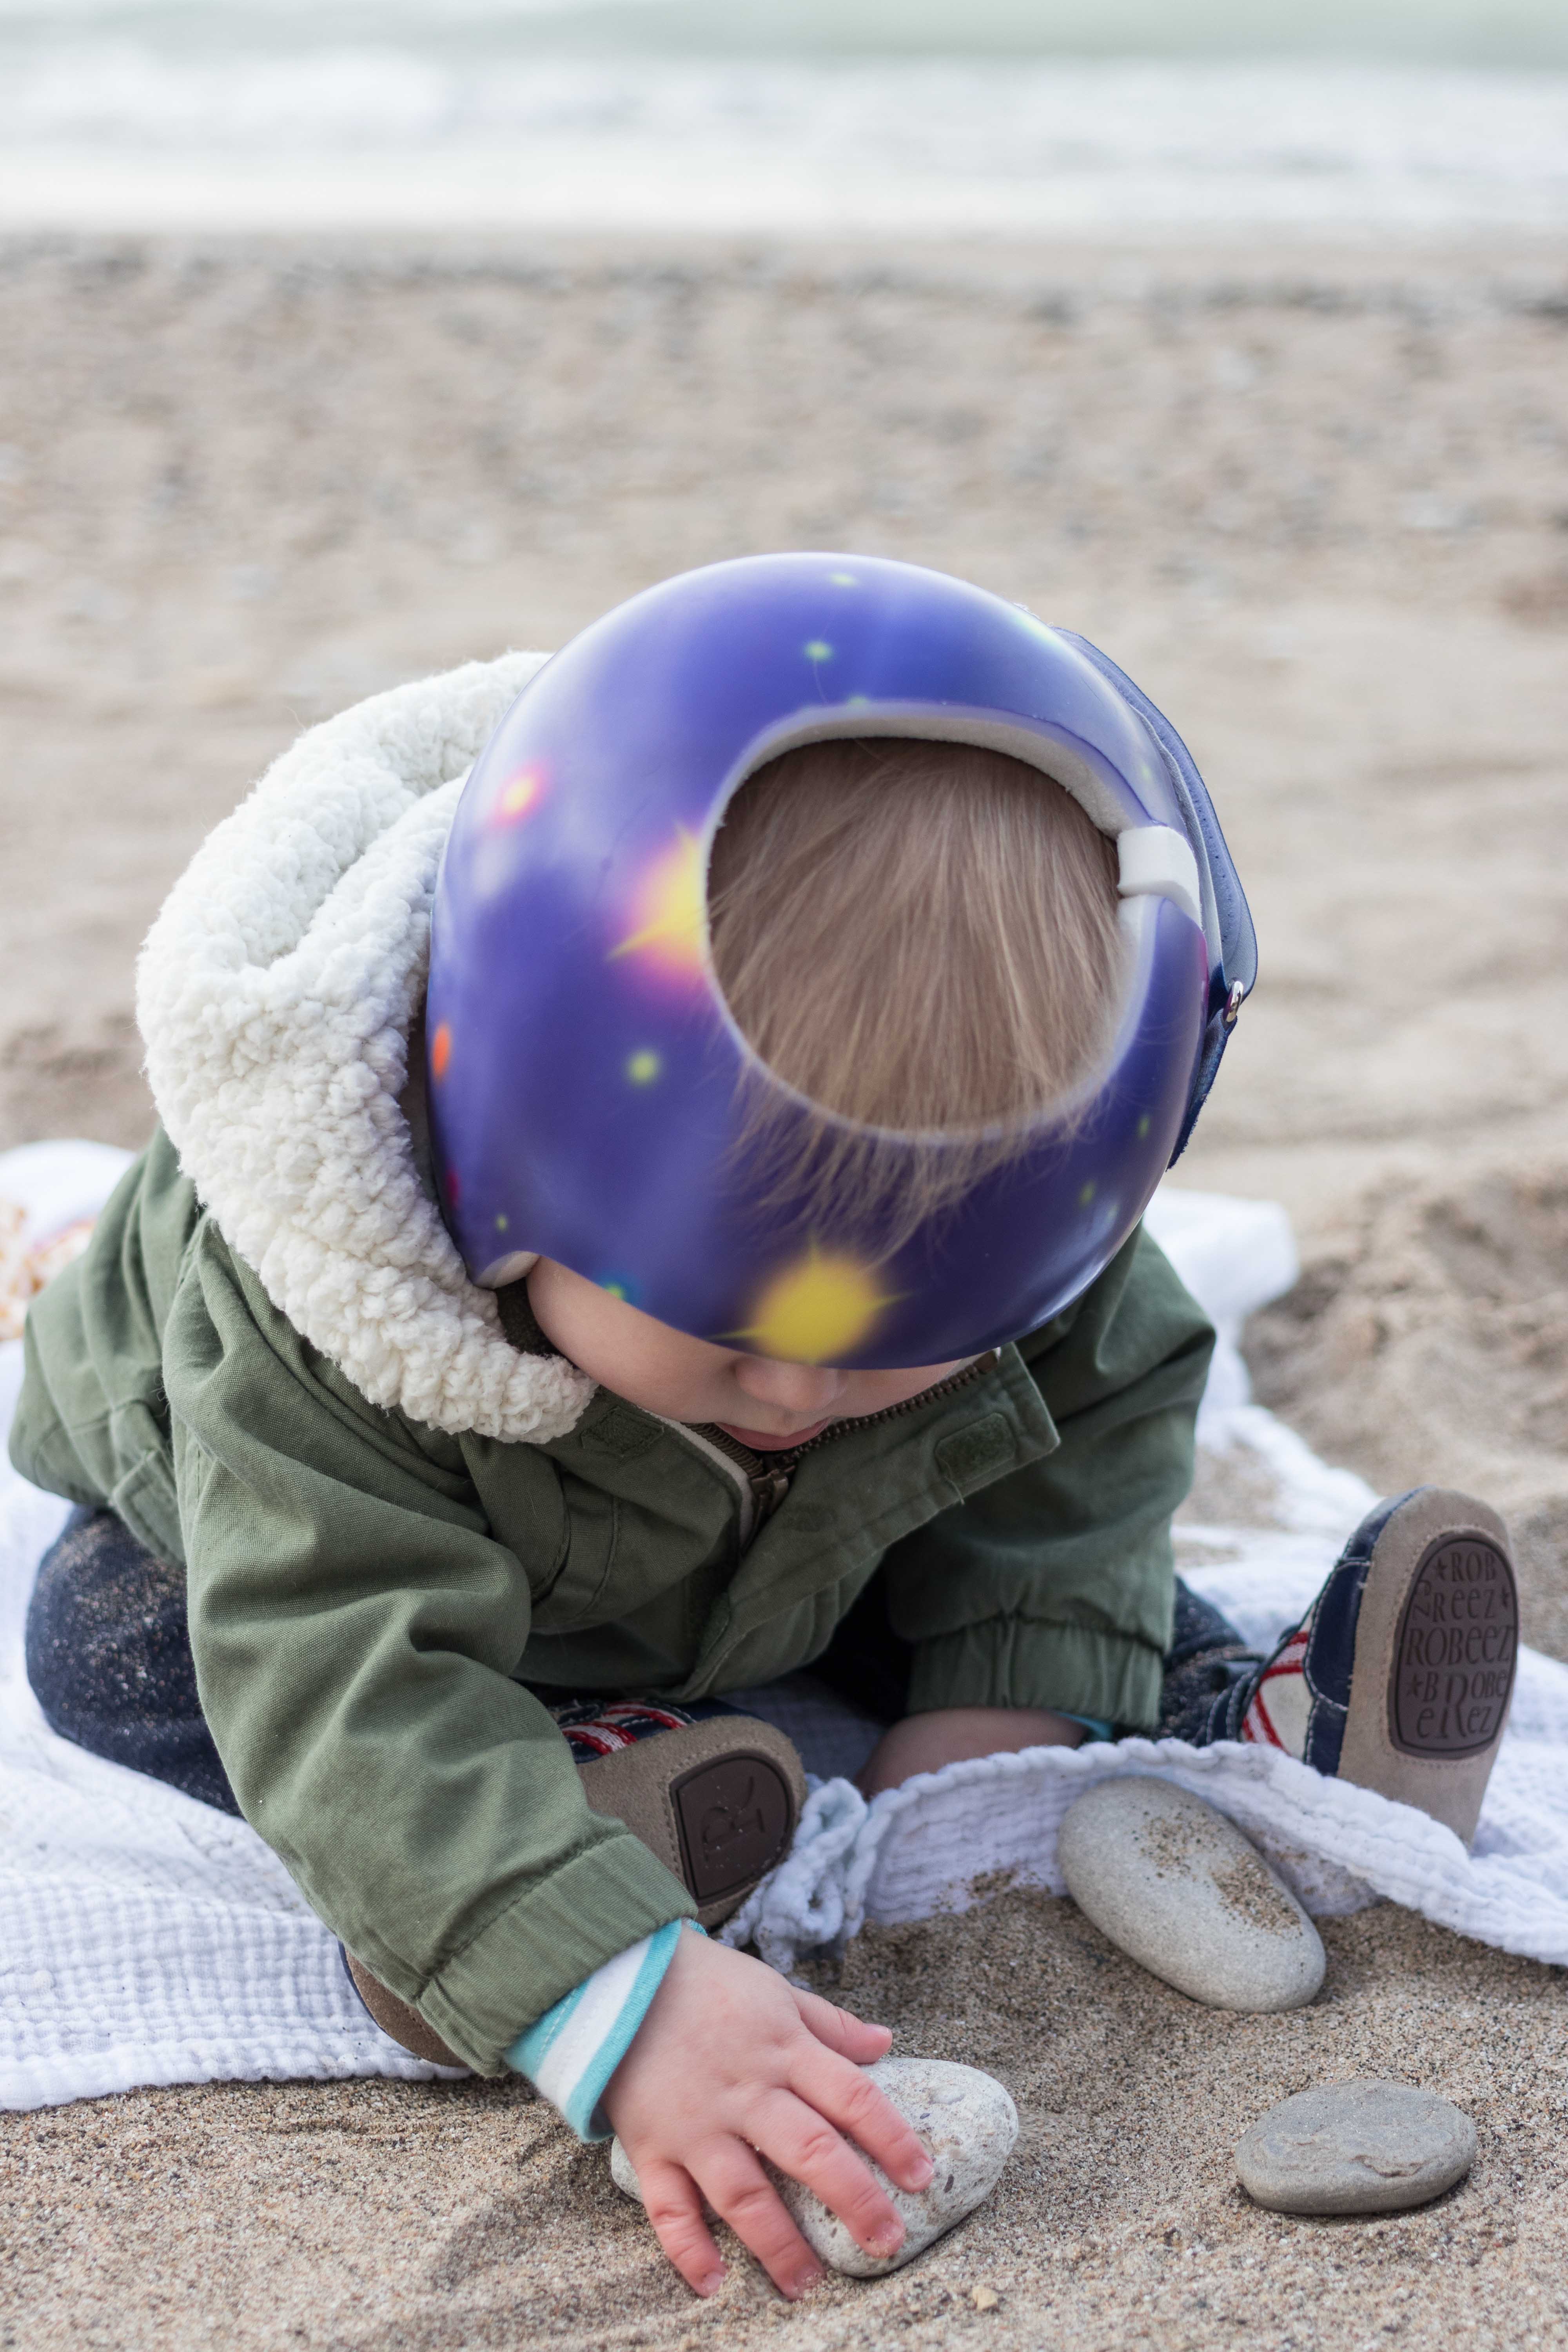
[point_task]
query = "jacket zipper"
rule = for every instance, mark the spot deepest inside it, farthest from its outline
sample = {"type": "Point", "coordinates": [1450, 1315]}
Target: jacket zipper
{"type": "Point", "coordinates": [769, 1475]}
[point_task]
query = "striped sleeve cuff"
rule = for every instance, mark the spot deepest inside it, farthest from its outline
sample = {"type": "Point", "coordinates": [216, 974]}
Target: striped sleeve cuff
{"type": "Point", "coordinates": [570, 2054]}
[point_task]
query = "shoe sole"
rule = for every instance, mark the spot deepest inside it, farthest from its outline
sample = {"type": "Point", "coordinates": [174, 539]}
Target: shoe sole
{"type": "Point", "coordinates": [717, 1801]}
{"type": "Point", "coordinates": [1437, 1643]}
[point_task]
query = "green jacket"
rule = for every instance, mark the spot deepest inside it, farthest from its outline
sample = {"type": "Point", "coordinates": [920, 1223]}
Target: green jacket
{"type": "Point", "coordinates": [365, 1588]}
{"type": "Point", "coordinates": [272, 1364]}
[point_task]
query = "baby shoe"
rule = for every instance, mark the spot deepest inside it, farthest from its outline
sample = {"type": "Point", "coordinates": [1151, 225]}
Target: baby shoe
{"type": "Point", "coordinates": [398, 2018]}
{"type": "Point", "coordinates": [714, 1794]}
{"type": "Point", "coordinates": [1399, 1677]}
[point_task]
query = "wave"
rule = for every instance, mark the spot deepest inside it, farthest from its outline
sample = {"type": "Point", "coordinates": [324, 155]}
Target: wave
{"type": "Point", "coordinates": [98, 127]}
{"type": "Point", "coordinates": [1472, 32]}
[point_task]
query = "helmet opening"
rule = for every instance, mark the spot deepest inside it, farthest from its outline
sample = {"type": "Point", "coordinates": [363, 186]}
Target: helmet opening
{"type": "Point", "coordinates": [917, 940]}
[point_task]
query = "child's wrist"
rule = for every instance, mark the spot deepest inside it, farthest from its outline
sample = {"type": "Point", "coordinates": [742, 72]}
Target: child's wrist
{"type": "Point", "coordinates": [570, 2053]}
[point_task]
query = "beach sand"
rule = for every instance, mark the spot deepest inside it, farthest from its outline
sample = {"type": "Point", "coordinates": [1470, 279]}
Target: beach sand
{"type": "Point", "coordinates": [1316, 501]}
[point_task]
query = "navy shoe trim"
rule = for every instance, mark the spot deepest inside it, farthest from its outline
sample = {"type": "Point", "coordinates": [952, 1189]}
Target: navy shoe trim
{"type": "Point", "coordinates": [600, 1724]}
{"type": "Point", "coordinates": [349, 1977]}
{"type": "Point", "coordinates": [1330, 1659]}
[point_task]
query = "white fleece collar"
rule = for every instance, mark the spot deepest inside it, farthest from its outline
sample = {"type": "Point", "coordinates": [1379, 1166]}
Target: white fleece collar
{"type": "Point", "coordinates": [276, 993]}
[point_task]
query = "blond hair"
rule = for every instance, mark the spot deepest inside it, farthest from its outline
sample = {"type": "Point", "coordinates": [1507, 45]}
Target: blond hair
{"type": "Point", "coordinates": [921, 939]}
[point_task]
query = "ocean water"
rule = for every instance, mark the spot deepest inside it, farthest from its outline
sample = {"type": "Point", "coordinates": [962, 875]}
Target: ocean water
{"type": "Point", "coordinates": [1004, 118]}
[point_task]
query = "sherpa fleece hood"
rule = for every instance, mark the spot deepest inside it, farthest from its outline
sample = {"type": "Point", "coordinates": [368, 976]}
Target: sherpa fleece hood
{"type": "Point", "coordinates": [276, 994]}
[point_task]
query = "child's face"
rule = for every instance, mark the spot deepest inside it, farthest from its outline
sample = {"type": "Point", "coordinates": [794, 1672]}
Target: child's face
{"type": "Point", "coordinates": [765, 1404]}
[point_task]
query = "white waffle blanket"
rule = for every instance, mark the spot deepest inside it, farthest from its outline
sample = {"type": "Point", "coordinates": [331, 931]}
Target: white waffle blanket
{"type": "Point", "coordinates": [146, 1938]}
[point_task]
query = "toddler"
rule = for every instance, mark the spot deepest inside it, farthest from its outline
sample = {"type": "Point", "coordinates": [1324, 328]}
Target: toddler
{"type": "Point", "coordinates": [639, 1290]}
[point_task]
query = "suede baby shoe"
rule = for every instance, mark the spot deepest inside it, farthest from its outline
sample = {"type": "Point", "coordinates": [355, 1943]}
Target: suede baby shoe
{"type": "Point", "coordinates": [715, 1794]}
{"type": "Point", "coordinates": [1400, 1675]}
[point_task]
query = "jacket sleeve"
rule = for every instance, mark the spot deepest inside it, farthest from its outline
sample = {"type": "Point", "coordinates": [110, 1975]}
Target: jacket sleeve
{"type": "Point", "coordinates": [355, 1629]}
{"type": "Point", "coordinates": [1055, 1587]}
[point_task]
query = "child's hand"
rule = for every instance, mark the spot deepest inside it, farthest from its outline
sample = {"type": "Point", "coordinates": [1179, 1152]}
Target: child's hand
{"type": "Point", "coordinates": [732, 2063]}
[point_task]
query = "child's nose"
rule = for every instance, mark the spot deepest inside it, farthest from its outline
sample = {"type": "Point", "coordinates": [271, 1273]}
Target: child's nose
{"type": "Point", "coordinates": [792, 1388]}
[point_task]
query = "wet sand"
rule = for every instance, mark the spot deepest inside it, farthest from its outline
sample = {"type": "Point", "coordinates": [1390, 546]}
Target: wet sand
{"type": "Point", "coordinates": [1317, 502]}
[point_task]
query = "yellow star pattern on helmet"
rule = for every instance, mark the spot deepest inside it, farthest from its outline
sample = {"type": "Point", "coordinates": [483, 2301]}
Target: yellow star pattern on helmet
{"type": "Point", "coordinates": [671, 910]}
{"type": "Point", "coordinates": [817, 1311]}
{"type": "Point", "coordinates": [517, 795]}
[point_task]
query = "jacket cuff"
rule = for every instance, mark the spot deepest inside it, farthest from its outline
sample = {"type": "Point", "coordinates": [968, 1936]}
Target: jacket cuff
{"type": "Point", "coordinates": [1076, 1670]}
{"type": "Point", "coordinates": [547, 1943]}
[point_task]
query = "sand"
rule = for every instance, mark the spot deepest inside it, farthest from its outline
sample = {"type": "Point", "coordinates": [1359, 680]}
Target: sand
{"type": "Point", "coordinates": [1315, 501]}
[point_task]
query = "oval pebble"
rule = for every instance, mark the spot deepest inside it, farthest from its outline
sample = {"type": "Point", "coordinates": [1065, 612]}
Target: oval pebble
{"type": "Point", "coordinates": [968, 2124]}
{"type": "Point", "coordinates": [1355, 2147]}
{"type": "Point", "coordinates": [1179, 1888]}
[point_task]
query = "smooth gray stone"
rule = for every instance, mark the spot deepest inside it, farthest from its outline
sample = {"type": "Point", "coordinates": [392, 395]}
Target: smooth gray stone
{"type": "Point", "coordinates": [1187, 1896]}
{"type": "Point", "coordinates": [968, 2124]}
{"type": "Point", "coordinates": [1355, 2147]}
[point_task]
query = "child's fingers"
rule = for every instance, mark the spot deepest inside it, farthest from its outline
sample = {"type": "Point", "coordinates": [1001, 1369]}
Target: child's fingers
{"type": "Point", "coordinates": [842, 2030]}
{"type": "Point", "coordinates": [740, 2191]}
{"type": "Point", "coordinates": [673, 2205]}
{"type": "Point", "coordinates": [850, 2099]}
{"type": "Point", "coordinates": [802, 2143]}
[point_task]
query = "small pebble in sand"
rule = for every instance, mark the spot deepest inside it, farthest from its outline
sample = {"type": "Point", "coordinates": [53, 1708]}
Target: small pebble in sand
{"type": "Point", "coordinates": [968, 2124]}
{"type": "Point", "coordinates": [1180, 1890]}
{"type": "Point", "coordinates": [1355, 2147]}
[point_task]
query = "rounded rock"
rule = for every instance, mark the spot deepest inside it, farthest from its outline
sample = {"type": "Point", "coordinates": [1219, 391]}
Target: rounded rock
{"type": "Point", "coordinates": [1181, 1891]}
{"type": "Point", "coordinates": [1355, 2147]}
{"type": "Point", "coordinates": [622, 2172]}
{"type": "Point", "coordinates": [967, 2124]}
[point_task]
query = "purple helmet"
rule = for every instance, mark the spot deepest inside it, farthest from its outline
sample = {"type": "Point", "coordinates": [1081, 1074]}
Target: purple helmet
{"type": "Point", "coordinates": [585, 1073]}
